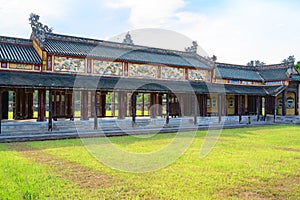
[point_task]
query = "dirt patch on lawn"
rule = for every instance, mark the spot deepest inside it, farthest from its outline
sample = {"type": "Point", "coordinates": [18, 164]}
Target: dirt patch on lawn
{"type": "Point", "coordinates": [288, 149]}
{"type": "Point", "coordinates": [82, 176]}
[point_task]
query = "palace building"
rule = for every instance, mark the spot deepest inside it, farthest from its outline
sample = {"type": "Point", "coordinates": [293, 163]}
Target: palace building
{"type": "Point", "coordinates": [70, 77]}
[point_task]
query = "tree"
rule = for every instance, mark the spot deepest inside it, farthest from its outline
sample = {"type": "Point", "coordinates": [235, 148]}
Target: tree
{"type": "Point", "coordinates": [298, 66]}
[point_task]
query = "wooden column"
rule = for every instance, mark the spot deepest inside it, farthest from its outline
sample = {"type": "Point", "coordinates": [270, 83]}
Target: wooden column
{"type": "Point", "coordinates": [236, 105]}
{"type": "Point", "coordinates": [259, 107]}
{"type": "Point", "coordinates": [95, 110]}
{"type": "Point", "coordinates": [220, 107]}
{"type": "Point", "coordinates": [0, 111]}
{"type": "Point", "coordinates": [181, 102]}
{"type": "Point", "coordinates": [103, 104]}
{"type": "Point", "coordinates": [224, 104]}
{"type": "Point", "coordinates": [204, 104]}
{"type": "Point", "coordinates": [274, 107]}
{"type": "Point", "coordinates": [41, 104]}
{"type": "Point", "coordinates": [196, 109]}
{"type": "Point", "coordinates": [121, 102]}
{"type": "Point", "coordinates": [284, 103]}
{"type": "Point", "coordinates": [143, 104]}
{"type": "Point", "coordinates": [296, 102]}
{"type": "Point", "coordinates": [84, 105]}
{"type": "Point", "coordinates": [240, 107]}
{"type": "Point", "coordinates": [113, 103]}
{"type": "Point", "coordinates": [167, 109]}
{"type": "Point", "coordinates": [133, 108]}
{"type": "Point", "coordinates": [159, 102]}
{"type": "Point", "coordinates": [50, 111]}
{"type": "Point", "coordinates": [152, 105]}
{"type": "Point", "coordinates": [5, 104]}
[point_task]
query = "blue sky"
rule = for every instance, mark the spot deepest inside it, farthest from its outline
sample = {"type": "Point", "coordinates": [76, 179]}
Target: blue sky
{"type": "Point", "coordinates": [236, 31]}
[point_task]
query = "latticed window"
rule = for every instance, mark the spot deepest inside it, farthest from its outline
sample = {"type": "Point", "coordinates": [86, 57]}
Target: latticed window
{"type": "Point", "coordinates": [214, 102]}
{"type": "Point", "coordinates": [290, 103]}
{"type": "Point", "coordinates": [208, 102]}
{"type": "Point", "coordinates": [231, 102]}
{"type": "Point", "coordinates": [280, 103]}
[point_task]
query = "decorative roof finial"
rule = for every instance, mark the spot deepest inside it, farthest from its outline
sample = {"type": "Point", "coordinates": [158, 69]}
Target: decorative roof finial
{"type": "Point", "coordinates": [127, 39]}
{"type": "Point", "coordinates": [38, 28]}
{"type": "Point", "coordinates": [193, 48]}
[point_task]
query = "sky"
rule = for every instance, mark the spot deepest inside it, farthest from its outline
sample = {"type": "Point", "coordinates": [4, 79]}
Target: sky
{"type": "Point", "coordinates": [236, 31]}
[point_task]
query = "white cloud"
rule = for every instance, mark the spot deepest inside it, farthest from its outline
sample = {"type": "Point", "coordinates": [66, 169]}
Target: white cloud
{"type": "Point", "coordinates": [245, 30]}
{"type": "Point", "coordinates": [15, 13]}
{"type": "Point", "coordinates": [152, 13]}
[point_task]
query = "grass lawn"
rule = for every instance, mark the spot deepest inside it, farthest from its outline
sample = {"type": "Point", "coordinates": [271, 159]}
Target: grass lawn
{"type": "Point", "coordinates": [249, 163]}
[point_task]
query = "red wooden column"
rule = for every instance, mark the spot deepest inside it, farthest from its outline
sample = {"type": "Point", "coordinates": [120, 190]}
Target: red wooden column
{"type": "Point", "coordinates": [103, 104]}
{"type": "Point", "coordinates": [143, 104]}
{"type": "Point", "coordinates": [204, 105]}
{"type": "Point", "coordinates": [122, 104]}
{"type": "Point", "coordinates": [50, 110]}
{"type": "Point", "coordinates": [84, 105]}
{"type": "Point", "coordinates": [220, 104]}
{"type": "Point", "coordinates": [0, 111]}
{"type": "Point", "coordinates": [284, 103]}
{"type": "Point", "coordinates": [152, 105]}
{"type": "Point", "coordinates": [95, 113]}
{"type": "Point", "coordinates": [259, 107]}
{"type": "Point", "coordinates": [159, 102]}
{"type": "Point", "coordinates": [113, 103]}
{"type": "Point", "coordinates": [181, 101]}
{"type": "Point", "coordinates": [133, 108]}
{"type": "Point", "coordinates": [41, 104]}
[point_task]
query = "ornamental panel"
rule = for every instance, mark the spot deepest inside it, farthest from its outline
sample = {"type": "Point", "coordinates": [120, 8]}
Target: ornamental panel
{"type": "Point", "coordinates": [64, 64]}
{"type": "Point", "coordinates": [107, 68]}
{"type": "Point", "coordinates": [198, 75]}
{"type": "Point", "coordinates": [141, 70]}
{"type": "Point", "coordinates": [20, 66]}
{"type": "Point", "coordinates": [172, 73]}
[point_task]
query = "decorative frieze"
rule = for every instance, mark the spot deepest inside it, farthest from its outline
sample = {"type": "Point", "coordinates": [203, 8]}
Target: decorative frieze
{"type": "Point", "coordinates": [65, 64]}
{"type": "Point", "coordinates": [142, 70]}
{"type": "Point", "coordinates": [198, 75]}
{"type": "Point", "coordinates": [172, 73]}
{"type": "Point", "coordinates": [107, 68]}
{"type": "Point", "coordinates": [20, 66]}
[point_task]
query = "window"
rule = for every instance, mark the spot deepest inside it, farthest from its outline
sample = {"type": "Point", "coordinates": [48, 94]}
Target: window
{"type": "Point", "coordinates": [214, 102]}
{"type": "Point", "coordinates": [280, 103]}
{"type": "Point", "coordinates": [231, 103]}
{"type": "Point", "coordinates": [234, 81]}
{"type": "Point", "coordinates": [290, 103]}
{"type": "Point", "coordinates": [208, 102]}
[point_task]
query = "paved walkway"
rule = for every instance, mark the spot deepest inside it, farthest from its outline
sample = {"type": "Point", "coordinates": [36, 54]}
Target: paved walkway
{"type": "Point", "coordinates": [17, 131]}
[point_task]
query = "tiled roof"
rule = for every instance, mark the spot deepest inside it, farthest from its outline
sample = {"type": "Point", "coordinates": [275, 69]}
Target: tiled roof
{"type": "Point", "coordinates": [38, 80]}
{"type": "Point", "coordinates": [265, 73]}
{"type": "Point", "coordinates": [237, 73]}
{"type": "Point", "coordinates": [295, 77]}
{"type": "Point", "coordinates": [117, 51]}
{"type": "Point", "coordinates": [18, 50]}
{"type": "Point", "coordinates": [274, 74]}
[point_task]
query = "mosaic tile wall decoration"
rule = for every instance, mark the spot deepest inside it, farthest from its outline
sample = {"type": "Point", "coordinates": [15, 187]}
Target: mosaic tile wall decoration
{"type": "Point", "coordinates": [64, 64]}
{"type": "Point", "coordinates": [107, 68]}
{"type": "Point", "coordinates": [142, 70]}
{"type": "Point", "coordinates": [198, 75]}
{"type": "Point", "coordinates": [172, 73]}
{"type": "Point", "coordinates": [20, 66]}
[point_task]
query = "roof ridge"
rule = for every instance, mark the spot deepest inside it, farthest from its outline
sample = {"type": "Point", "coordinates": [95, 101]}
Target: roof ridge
{"type": "Point", "coordinates": [83, 40]}
{"type": "Point", "coordinates": [15, 40]}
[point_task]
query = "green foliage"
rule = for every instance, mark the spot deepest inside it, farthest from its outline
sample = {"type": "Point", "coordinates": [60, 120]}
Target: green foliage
{"type": "Point", "coordinates": [298, 66]}
{"type": "Point", "coordinates": [249, 163]}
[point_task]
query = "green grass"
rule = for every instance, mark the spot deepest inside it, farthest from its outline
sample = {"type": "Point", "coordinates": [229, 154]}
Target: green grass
{"type": "Point", "coordinates": [249, 163]}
